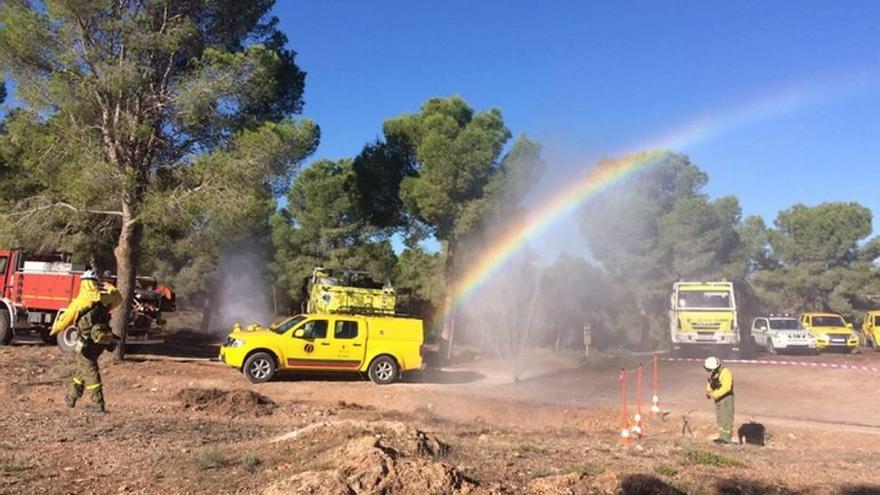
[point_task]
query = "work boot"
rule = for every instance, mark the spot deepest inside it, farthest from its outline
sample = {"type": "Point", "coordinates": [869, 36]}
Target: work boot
{"type": "Point", "coordinates": [70, 400]}
{"type": "Point", "coordinates": [95, 408]}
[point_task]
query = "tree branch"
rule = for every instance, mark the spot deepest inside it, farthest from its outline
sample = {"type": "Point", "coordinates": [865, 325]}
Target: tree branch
{"type": "Point", "coordinates": [48, 204]}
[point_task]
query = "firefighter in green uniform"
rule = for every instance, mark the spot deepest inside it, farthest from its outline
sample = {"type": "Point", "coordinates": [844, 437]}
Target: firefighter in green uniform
{"type": "Point", "coordinates": [720, 389]}
{"type": "Point", "coordinates": [90, 312]}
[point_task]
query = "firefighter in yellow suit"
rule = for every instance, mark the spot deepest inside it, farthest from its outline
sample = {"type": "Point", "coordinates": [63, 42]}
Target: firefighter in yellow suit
{"type": "Point", "coordinates": [90, 312]}
{"type": "Point", "coordinates": [720, 389]}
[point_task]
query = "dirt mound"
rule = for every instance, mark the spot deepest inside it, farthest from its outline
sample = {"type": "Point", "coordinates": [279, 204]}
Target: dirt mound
{"type": "Point", "coordinates": [569, 484]}
{"type": "Point", "coordinates": [231, 402]}
{"type": "Point", "coordinates": [610, 483]}
{"type": "Point", "coordinates": [371, 465]}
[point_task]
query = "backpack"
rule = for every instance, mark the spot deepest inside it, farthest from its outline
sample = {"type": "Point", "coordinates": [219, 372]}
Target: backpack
{"type": "Point", "coordinates": [94, 325]}
{"type": "Point", "coordinates": [752, 433]}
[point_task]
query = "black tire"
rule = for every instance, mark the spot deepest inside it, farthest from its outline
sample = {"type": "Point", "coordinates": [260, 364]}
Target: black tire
{"type": "Point", "coordinates": [259, 367]}
{"type": "Point", "coordinates": [383, 370]}
{"type": "Point", "coordinates": [6, 331]}
{"type": "Point", "coordinates": [67, 339]}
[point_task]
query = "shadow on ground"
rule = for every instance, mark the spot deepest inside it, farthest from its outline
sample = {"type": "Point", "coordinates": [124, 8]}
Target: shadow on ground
{"type": "Point", "coordinates": [643, 484]}
{"type": "Point", "coordinates": [860, 490]}
{"type": "Point", "coordinates": [181, 344]}
{"type": "Point", "coordinates": [737, 486]}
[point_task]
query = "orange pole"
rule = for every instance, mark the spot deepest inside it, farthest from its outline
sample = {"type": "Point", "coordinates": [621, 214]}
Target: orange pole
{"type": "Point", "coordinates": [639, 389]}
{"type": "Point", "coordinates": [638, 418]}
{"type": "Point", "coordinates": [655, 400]}
{"type": "Point", "coordinates": [624, 432]}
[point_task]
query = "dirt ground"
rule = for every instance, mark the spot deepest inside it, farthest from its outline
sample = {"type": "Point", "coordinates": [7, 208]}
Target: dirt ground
{"type": "Point", "coordinates": [181, 423]}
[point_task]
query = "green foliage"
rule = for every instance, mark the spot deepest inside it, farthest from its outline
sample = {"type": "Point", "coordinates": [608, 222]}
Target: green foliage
{"type": "Point", "coordinates": [167, 117]}
{"type": "Point", "coordinates": [456, 152]}
{"type": "Point", "coordinates": [665, 471]}
{"type": "Point", "coordinates": [574, 293]}
{"type": "Point", "coordinates": [323, 225]}
{"type": "Point", "coordinates": [827, 234]}
{"type": "Point", "coordinates": [251, 462]}
{"type": "Point", "coordinates": [709, 458]}
{"type": "Point", "coordinates": [422, 274]}
{"type": "Point", "coordinates": [379, 170]}
{"type": "Point", "coordinates": [823, 261]}
{"type": "Point", "coordinates": [212, 459]}
{"type": "Point", "coordinates": [657, 227]}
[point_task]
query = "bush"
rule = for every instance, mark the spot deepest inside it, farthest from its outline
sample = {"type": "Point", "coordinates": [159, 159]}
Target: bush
{"type": "Point", "coordinates": [709, 458]}
{"type": "Point", "coordinates": [250, 462]}
{"type": "Point", "coordinates": [665, 471]}
{"type": "Point", "coordinates": [211, 459]}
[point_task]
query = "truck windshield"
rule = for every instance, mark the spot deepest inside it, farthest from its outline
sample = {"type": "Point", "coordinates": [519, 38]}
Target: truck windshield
{"type": "Point", "coordinates": [704, 299]}
{"type": "Point", "coordinates": [828, 321]}
{"type": "Point", "coordinates": [287, 324]}
{"type": "Point", "coordinates": [786, 324]}
{"type": "Point", "coordinates": [877, 321]}
{"type": "Point", "coordinates": [3, 262]}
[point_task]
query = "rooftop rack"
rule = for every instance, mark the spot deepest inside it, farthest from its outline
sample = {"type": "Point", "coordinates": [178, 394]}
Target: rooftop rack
{"type": "Point", "coordinates": [369, 311]}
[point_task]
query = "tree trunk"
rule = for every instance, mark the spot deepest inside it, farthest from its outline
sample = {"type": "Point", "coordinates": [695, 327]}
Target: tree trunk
{"type": "Point", "coordinates": [93, 263]}
{"type": "Point", "coordinates": [208, 308]}
{"type": "Point", "coordinates": [448, 333]}
{"type": "Point", "coordinates": [127, 258]}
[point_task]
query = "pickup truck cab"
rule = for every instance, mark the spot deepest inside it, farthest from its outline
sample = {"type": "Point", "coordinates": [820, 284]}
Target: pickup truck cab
{"type": "Point", "coordinates": [831, 331]}
{"type": "Point", "coordinates": [781, 333]}
{"type": "Point", "coordinates": [381, 346]}
{"type": "Point", "coordinates": [871, 329]}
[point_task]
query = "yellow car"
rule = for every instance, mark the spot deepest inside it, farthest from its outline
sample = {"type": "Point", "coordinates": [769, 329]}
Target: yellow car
{"type": "Point", "coordinates": [831, 331]}
{"type": "Point", "coordinates": [871, 328]}
{"type": "Point", "coordinates": [381, 346]}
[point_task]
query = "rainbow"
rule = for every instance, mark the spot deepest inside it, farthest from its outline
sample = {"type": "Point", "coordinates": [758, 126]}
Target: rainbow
{"type": "Point", "coordinates": [609, 172]}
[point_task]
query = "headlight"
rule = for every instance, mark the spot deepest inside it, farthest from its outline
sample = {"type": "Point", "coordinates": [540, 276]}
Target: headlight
{"type": "Point", "coordinates": [231, 342]}
{"type": "Point", "coordinates": [824, 336]}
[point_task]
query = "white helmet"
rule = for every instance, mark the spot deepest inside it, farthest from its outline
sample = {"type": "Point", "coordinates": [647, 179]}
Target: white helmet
{"type": "Point", "coordinates": [711, 363]}
{"type": "Point", "coordinates": [89, 275]}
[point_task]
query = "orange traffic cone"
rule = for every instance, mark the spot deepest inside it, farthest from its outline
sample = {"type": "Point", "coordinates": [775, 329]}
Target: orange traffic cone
{"type": "Point", "coordinates": [637, 430]}
{"type": "Point", "coordinates": [625, 438]}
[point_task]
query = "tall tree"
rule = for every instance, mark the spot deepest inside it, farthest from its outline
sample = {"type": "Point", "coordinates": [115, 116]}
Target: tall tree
{"type": "Point", "coordinates": [823, 262]}
{"type": "Point", "coordinates": [658, 226]}
{"type": "Point", "coordinates": [455, 152]}
{"type": "Point", "coordinates": [168, 104]}
{"type": "Point", "coordinates": [324, 225]}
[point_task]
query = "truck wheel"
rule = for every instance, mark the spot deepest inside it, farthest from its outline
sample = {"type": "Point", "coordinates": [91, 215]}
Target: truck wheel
{"type": "Point", "coordinates": [383, 370]}
{"type": "Point", "coordinates": [259, 367]}
{"type": "Point", "coordinates": [67, 339]}
{"type": "Point", "coordinates": [6, 332]}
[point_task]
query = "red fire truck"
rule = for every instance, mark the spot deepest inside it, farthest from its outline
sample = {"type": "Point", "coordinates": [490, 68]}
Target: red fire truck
{"type": "Point", "coordinates": [35, 289]}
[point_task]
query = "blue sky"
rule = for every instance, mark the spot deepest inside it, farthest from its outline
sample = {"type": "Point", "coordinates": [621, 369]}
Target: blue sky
{"type": "Point", "coordinates": [589, 79]}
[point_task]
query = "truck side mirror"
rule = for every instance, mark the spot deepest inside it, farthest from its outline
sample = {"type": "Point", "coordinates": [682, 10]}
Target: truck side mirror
{"type": "Point", "coordinates": [299, 333]}
{"type": "Point", "coordinates": [849, 325]}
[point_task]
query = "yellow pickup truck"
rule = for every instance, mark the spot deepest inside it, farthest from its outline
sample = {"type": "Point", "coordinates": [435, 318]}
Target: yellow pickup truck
{"type": "Point", "coordinates": [831, 331]}
{"type": "Point", "coordinates": [871, 329]}
{"type": "Point", "coordinates": [381, 346]}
